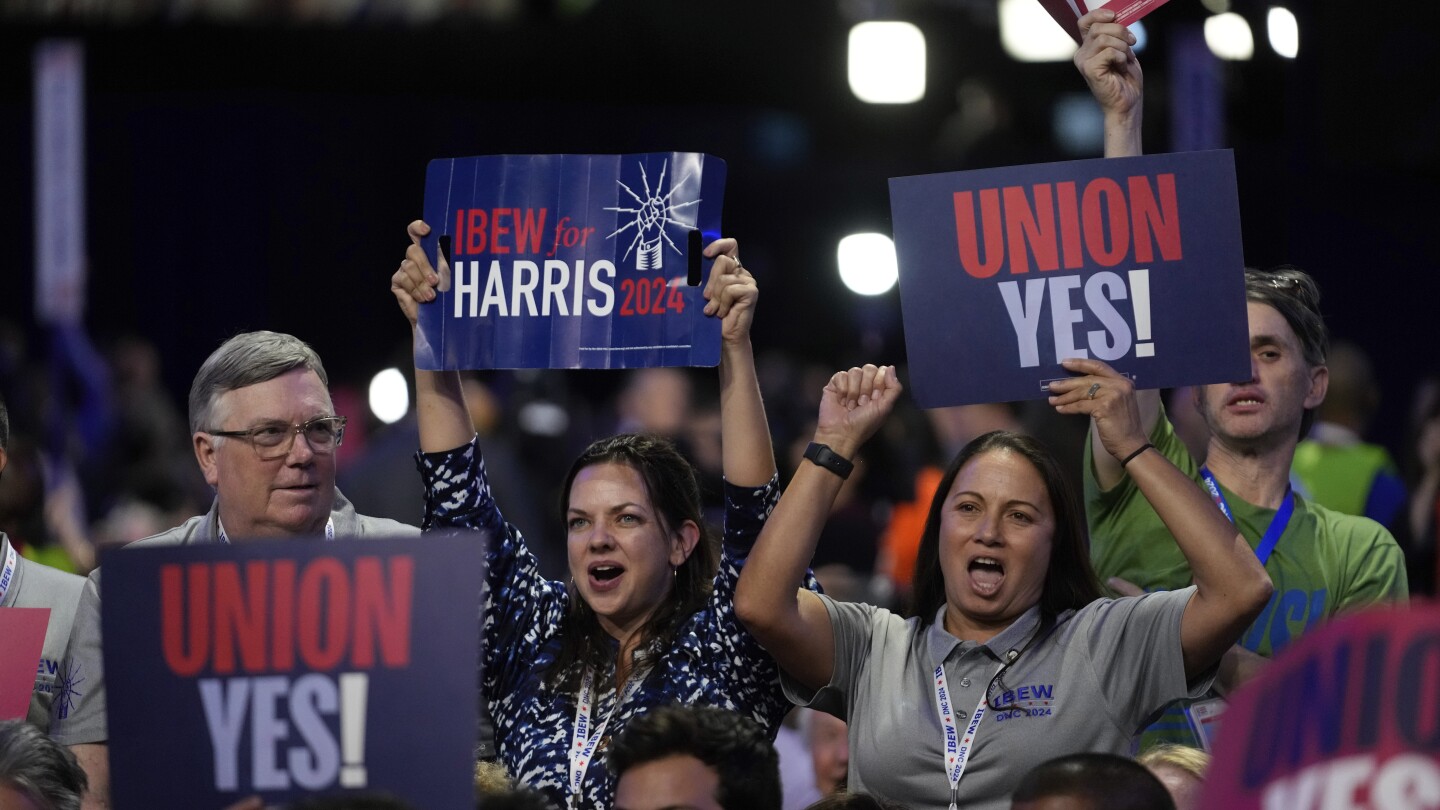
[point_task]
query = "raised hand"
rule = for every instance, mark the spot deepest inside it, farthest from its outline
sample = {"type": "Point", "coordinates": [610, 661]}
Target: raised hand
{"type": "Point", "coordinates": [853, 406]}
{"type": "Point", "coordinates": [731, 292]}
{"type": "Point", "coordinates": [1108, 398]}
{"type": "Point", "coordinates": [1106, 60]}
{"type": "Point", "coordinates": [416, 281]}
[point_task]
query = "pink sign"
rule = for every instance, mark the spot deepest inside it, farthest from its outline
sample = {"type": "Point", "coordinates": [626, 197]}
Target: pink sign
{"type": "Point", "coordinates": [1068, 12]}
{"type": "Point", "coordinates": [22, 636]}
{"type": "Point", "coordinates": [1347, 717]}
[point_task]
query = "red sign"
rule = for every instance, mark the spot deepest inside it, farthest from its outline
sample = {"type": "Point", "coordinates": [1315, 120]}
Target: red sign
{"type": "Point", "coordinates": [23, 631]}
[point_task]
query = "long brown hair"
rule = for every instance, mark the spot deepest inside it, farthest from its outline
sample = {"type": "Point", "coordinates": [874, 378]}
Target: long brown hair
{"type": "Point", "coordinates": [1070, 582]}
{"type": "Point", "coordinates": [675, 495]}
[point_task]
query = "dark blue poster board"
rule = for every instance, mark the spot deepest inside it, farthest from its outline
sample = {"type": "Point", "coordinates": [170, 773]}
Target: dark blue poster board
{"type": "Point", "coordinates": [571, 261]}
{"type": "Point", "coordinates": [293, 668]}
{"type": "Point", "coordinates": [1134, 261]}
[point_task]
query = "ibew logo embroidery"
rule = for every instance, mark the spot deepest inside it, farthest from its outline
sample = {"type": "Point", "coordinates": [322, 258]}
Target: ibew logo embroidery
{"type": "Point", "coordinates": [654, 213]}
{"type": "Point", "coordinates": [45, 674]}
{"type": "Point", "coordinates": [1032, 700]}
{"type": "Point", "coordinates": [68, 684]}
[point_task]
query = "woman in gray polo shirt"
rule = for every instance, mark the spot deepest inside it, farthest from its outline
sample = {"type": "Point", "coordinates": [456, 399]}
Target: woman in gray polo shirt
{"type": "Point", "coordinates": [1010, 656]}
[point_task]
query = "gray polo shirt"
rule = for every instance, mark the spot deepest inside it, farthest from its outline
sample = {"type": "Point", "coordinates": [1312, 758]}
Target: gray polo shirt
{"type": "Point", "coordinates": [1087, 682]}
{"type": "Point", "coordinates": [39, 586]}
{"type": "Point", "coordinates": [78, 715]}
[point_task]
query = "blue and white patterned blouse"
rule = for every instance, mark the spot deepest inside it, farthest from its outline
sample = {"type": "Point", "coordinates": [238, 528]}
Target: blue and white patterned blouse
{"type": "Point", "coordinates": [713, 660]}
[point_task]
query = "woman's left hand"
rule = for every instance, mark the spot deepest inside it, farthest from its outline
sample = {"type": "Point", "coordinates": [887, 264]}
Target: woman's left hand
{"type": "Point", "coordinates": [731, 292]}
{"type": "Point", "coordinates": [1108, 398]}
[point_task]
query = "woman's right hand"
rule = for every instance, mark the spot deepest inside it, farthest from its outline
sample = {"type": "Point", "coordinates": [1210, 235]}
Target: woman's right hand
{"type": "Point", "coordinates": [853, 406]}
{"type": "Point", "coordinates": [416, 281]}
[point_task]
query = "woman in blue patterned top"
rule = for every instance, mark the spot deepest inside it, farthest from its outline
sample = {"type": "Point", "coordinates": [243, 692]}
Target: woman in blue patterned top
{"type": "Point", "coordinates": [648, 616]}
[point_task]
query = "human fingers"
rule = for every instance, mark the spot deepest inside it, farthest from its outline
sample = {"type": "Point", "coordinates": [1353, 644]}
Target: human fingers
{"type": "Point", "coordinates": [1089, 365]}
{"type": "Point", "coordinates": [418, 230]}
{"type": "Point", "coordinates": [855, 384]}
{"type": "Point", "coordinates": [739, 288]}
{"type": "Point", "coordinates": [726, 245]}
{"type": "Point", "coordinates": [1099, 15]}
{"type": "Point", "coordinates": [405, 295]}
{"type": "Point", "coordinates": [1091, 394]}
{"type": "Point", "coordinates": [728, 282]}
{"type": "Point", "coordinates": [1110, 35]}
{"type": "Point", "coordinates": [871, 382]}
{"type": "Point", "coordinates": [888, 387]}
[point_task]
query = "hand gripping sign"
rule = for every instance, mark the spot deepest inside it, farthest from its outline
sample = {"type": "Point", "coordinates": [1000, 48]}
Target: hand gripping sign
{"type": "Point", "coordinates": [571, 261]}
{"type": "Point", "coordinates": [1134, 261]}
{"type": "Point", "coordinates": [292, 668]}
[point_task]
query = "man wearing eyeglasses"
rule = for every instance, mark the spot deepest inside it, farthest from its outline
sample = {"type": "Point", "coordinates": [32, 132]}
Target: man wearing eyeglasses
{"type": "Point", "coordinates": [265, 434]}
{"type": "Point", "coordinates": [1321, 562]}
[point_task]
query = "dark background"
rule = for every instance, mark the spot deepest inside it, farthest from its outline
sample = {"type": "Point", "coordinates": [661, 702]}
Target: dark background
{"type": "Point", "coordinates": [259, 174]}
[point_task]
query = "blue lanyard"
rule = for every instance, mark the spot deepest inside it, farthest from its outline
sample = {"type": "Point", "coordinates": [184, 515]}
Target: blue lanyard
{"type": "Point", "coordinates": [1277, 523]}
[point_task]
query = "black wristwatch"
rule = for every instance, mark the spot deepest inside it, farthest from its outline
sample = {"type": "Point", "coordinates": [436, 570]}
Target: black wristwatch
{"type": "Point", "coordinates": [822, 456]}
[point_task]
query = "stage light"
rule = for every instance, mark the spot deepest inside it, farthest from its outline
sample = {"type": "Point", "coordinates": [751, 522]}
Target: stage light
{"type": "Point", "coordinates": [1028, 34]}
{"type": "Point", "coordinates": [887, 62]}
{"type": "Point", "coordinates": [1229, 37]}
{"type": "Point", "coordinates": [867, 263]}
{"type": "Point", "coordinates": [389, 399]}
{"type": "Point", "coordinates": [1284, 31]}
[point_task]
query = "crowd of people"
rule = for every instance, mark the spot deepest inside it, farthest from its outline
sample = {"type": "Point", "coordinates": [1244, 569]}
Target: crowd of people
{"type": "Point", "coordinates": [892, 630]}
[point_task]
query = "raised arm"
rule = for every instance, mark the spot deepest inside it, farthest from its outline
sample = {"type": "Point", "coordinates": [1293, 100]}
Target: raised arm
{"type": "Point", "coordinates": [1231, 587]}
{"type": "Point", "coordinates": [439, 402]}
{"type": "Point", "coordinates": [747, 458]}
{"type": "Point", "coordinates": [1108, 63]}
{"type": "Point", "coordinates": [1109, 66]}
{"type": "Point", "coordinates": [790, 622]}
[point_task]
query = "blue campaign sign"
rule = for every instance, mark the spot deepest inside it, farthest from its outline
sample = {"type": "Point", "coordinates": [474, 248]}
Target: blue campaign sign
{"type": "Point", "coordinates": [293, 668]}
{"type": "Point", "coordinates": [571, 261]}
{"type": "Point", "coordinates": [1134, 261]}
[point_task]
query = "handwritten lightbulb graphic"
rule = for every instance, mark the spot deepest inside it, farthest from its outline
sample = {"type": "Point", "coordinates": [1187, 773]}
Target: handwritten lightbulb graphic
{"type": "Point", "coordinates": [655, 211]}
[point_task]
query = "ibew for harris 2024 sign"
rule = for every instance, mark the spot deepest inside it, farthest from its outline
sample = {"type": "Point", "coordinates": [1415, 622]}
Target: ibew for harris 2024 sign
{"type": "Point", "coordinates": [1134, 261]}
{"type": "Point", "coordinates": [571, 261]}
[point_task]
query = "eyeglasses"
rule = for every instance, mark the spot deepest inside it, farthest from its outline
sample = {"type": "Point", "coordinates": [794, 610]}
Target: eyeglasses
{"type": "Point", "coordinates": [273, 440]}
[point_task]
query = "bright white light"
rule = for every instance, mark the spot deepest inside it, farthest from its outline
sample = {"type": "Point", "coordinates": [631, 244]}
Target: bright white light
{"type": "Point", "coordinates": [1284, 31]}
{"type": "Point", "coordinates": [543, 419]}
{"type": "Point", "coordinates": [389, 400]}
{"type": "Point", "coordinates": [1142, 37]}
{"type": "Point", "coordinates": [887, 62]}
{"type": "Point", "coordinates": [867, 263]}
{"type": "Point", "coordinates": [1229, 37]}
{"type": "Point", "coordinates": [1028, 34]}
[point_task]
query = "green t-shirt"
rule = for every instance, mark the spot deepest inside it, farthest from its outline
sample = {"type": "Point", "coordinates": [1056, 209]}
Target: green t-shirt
{"type": "Point", "coordinates": [1325, 562]}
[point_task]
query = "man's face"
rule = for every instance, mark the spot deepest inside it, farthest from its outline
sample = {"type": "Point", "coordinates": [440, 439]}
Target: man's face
{"type": "Point", "coordinates": [288, 495]}
{"type": "Point", "coordinates": [1266, 409]}
{"type": "Point", "coordinates": [679, 782]}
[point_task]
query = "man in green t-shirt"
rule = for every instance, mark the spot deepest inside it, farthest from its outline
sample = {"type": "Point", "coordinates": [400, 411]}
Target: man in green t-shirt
{"type": "Point", "coordinates": [1321, 562]}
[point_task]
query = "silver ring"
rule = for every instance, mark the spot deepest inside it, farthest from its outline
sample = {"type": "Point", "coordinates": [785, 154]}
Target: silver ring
{"type": "Point", "coordinates": [1091, 393]}
{"type": "Point", "coordinates": [738, 265]}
